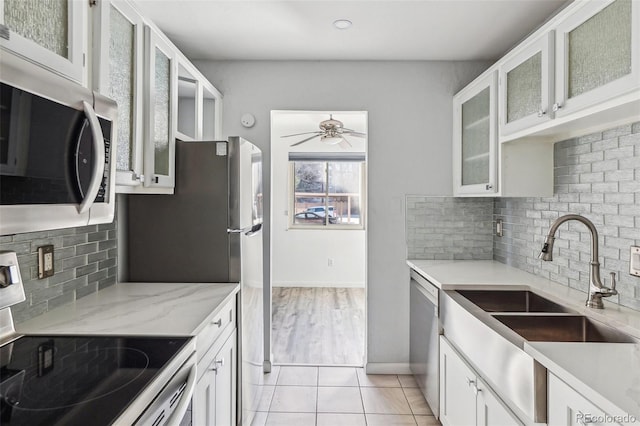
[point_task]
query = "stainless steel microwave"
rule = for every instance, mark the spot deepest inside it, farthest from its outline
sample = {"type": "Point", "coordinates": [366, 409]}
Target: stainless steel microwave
{"type": "Point", "coordinates": [56, 168]}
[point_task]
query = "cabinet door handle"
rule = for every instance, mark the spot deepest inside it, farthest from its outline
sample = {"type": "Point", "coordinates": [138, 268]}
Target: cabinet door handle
{"type": "Point", "coordinates": [470, 382]}
{"type": "Point", "coordinates": [218, 322]}
{"type": "Point", "coordinates": [489, 186]}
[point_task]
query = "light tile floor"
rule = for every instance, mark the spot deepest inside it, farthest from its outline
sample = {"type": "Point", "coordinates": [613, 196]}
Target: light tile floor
{"type": "Point", "coordinates": [340, 396]}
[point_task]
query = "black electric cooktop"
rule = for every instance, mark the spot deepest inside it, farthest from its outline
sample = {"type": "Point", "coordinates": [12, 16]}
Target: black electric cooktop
{"type": "Point", "coordinates": [77, 380]}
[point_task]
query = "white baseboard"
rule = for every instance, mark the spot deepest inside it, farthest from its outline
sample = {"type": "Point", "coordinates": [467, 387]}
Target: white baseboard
{"type": "Point", "coordinates": [317, 284]}
{"type": "Point", "coordinates": [388, 368]}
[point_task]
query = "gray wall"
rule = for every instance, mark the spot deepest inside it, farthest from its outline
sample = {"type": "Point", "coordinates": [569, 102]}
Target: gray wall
{"type": "Point", "coordinates": [449, 228]}
{"type": "Point", "coordinates": [84, 262]}
{"type": "Point", "coordinates": [597, 176]}
{"type": "Point", "coordinates": [410, 131]}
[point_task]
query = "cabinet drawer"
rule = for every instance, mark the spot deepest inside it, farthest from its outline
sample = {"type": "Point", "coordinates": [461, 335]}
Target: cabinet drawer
{"type": "Point", "coordinates": [226, 318]}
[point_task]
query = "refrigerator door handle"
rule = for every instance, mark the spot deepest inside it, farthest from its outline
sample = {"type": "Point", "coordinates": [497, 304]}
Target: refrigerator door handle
{"type": "Point", "coordinates": [249, 231]}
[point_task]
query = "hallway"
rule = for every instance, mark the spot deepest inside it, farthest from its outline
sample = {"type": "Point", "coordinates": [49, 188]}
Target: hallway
{"type": "Point", "coordinates": [318, 325]}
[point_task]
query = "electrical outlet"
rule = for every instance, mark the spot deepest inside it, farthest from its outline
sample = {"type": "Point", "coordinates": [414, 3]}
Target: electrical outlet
{"type": "Point", "coordinates": [634, 264]}
{"type": "Point", "coordinates": [499, 227]}
{"type": "Point", "coordinates": [45, 261]}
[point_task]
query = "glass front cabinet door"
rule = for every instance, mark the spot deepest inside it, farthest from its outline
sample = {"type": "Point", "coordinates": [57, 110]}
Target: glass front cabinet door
{"type": "Point", "coordinates": [475, 138]}
{"type": "Point", "coordinates": [51, 33]}
{"type": "Point", "coordinates": [526, 82]}
{"type": "Point", "coordinates": [119, 65]}
{"type": "Point", "coordinates": [597, 54]}
{"type": "Point", "coordinates": [160, 112]}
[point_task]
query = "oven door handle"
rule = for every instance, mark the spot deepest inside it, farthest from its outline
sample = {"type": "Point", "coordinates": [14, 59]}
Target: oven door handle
{"type": "Point", "coordinates": [185, 399]}
{"type": "Point", "coordinates": [98, 164]}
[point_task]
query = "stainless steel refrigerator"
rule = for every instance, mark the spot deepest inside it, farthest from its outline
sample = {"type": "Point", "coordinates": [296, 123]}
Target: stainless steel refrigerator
{"type": "Point", "coordinates": [209, 231]}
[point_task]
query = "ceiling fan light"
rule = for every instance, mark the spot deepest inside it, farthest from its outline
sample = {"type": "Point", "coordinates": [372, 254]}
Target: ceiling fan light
{"type": "Point", "coordinates": [331, 140]}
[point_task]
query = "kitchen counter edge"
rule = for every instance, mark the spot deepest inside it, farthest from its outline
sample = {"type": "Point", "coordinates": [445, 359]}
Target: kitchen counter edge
{"type": "Point", "coordinates": [150, 309]}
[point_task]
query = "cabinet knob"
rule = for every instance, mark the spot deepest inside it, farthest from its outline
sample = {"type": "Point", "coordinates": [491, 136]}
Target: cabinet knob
{"type": "Point", "coordinates": [556, 106]}
{"type": "Point", "coordinates": [489, 187]}
{"type": "Point", "coordinates": [218, 323]}
{"type": "Point", "coordinates": [138, 177]}
{"type": "Point", "coordinates": [542, 112]}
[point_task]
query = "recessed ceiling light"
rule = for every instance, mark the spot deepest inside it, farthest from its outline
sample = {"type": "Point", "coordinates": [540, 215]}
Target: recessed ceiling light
{"type": "Point", "coordinates": [342, 24]}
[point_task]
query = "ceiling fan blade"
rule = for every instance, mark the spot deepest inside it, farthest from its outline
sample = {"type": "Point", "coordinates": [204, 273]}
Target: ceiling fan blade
{"type": "Point", "coordinates": [345, 144]}
{"type": "Point", "coordinates": [300, 134]}
{"type": "Point", "coordinates": [304, 140]}
{"type": "Point", "coordinates": [355, 134]}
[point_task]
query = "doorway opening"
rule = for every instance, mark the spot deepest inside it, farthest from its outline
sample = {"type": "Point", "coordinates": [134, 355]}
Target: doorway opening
{"type": "Point", "coordinates": [318, 237]}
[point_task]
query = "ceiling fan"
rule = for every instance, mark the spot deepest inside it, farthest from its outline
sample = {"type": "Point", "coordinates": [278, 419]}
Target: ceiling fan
{"type": "Point", "coordinates": [332, 132]}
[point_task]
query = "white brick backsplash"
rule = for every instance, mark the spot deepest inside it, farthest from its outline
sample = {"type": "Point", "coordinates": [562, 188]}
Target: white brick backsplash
{"type": "Point", "coordinates": [591, 157]}
{"type": "Point", "coordinates": [605, 165]}
{"type": "Point", "coordinates": [458, 228]}
{"type": "Point", "coordinates": [617, 153]}
{"type": "Point", "coordinates": [612, 203]}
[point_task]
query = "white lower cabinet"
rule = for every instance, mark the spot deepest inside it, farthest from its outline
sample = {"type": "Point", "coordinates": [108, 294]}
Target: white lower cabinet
{"type": "Point", "coordinates": [465, 399]}
{"type": "Point", "coordinates": [214, 399]}
{"type": "Point", "coordinates": [566, 407]}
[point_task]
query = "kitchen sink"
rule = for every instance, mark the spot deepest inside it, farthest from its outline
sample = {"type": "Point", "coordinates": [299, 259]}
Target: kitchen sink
{"type": "Point", "coordinates": [562, 328]}
{"type": "Point", "coordinates": [512, 301]}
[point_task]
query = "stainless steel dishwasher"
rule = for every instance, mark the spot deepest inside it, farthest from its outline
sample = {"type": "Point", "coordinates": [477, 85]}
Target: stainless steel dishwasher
{"type": "Point", "coordinates": [424, 337]}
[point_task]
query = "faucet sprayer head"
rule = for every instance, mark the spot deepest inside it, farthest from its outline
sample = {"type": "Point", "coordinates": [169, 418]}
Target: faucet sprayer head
{"type": "Point", "coordinates": [546, 253]}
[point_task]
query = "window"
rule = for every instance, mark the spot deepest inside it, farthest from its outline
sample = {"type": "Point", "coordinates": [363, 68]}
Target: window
{"type": "Point", "coordinates": [327, 191]}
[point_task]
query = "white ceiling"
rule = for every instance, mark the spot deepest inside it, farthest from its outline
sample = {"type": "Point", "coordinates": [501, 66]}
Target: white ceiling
{"type": "Point", "coordinates": [382, 29]}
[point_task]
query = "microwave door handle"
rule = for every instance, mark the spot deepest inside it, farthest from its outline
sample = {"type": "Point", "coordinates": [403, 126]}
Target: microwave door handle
{"type": "Point", "coordinates": [98, 164]}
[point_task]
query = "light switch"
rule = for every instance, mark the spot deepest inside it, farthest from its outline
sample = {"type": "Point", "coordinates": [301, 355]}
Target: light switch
{"type": "Point", "coordinates": [45, 261]}
{"type": "Point", "coordinates": [634, 264]}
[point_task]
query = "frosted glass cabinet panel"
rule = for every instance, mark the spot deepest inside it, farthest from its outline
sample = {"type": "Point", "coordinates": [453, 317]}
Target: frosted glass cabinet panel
{"type": "Point", "coordinates": [44, 22]}
{"type": "Point", "coordinates": [475, 139]}
{"type": "Point", "coordinates": [119, 65]}
{"type": "Point", "coordinates": [51, 33]}
{"type": "Point", "coordinates": [524, 88]}
{"type": "Point", "coordinates": [598, 50]}
{"type": "Point", "coordinates": [160, 112]}
{"type": "Point", "coordinates": [526, 79]}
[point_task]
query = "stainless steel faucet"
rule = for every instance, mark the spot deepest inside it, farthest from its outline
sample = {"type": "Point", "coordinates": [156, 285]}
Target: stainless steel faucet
{"type": "Point", "coordinates": [596, 290]}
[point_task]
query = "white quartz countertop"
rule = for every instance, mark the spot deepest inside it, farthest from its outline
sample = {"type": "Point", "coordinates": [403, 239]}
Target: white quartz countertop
{"type": "Point", "coordinates": [606, 373]}
{"type": "Point", "coordinates": [596, 370]}
{"type": "Point", "coordinates": [168, 309]}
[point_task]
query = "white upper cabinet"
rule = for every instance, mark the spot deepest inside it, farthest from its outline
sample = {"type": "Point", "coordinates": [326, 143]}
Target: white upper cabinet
{"type": "Point", "coordinates": [160, 112]}
{"type": "Point", "coordinates": [526, 84]}
{"type": "Point", "coordinates": [475, 138]}
{"type": "Point", "coordinates": [199, 112]}
{"type": "Point", "coordinates": [189, 105]}
{"type": "Point", "coordinates": [598, 54]}
{"type": "Point", "coordinates": [118, 64]}
{"type": "Point", "coordinates": [133, 63]}
{"type": "Point", "coordinates": [51, 33]}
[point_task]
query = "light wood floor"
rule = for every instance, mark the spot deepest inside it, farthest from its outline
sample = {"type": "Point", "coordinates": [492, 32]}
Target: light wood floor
{"type": "Point", "coordinates": [318, 326]}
